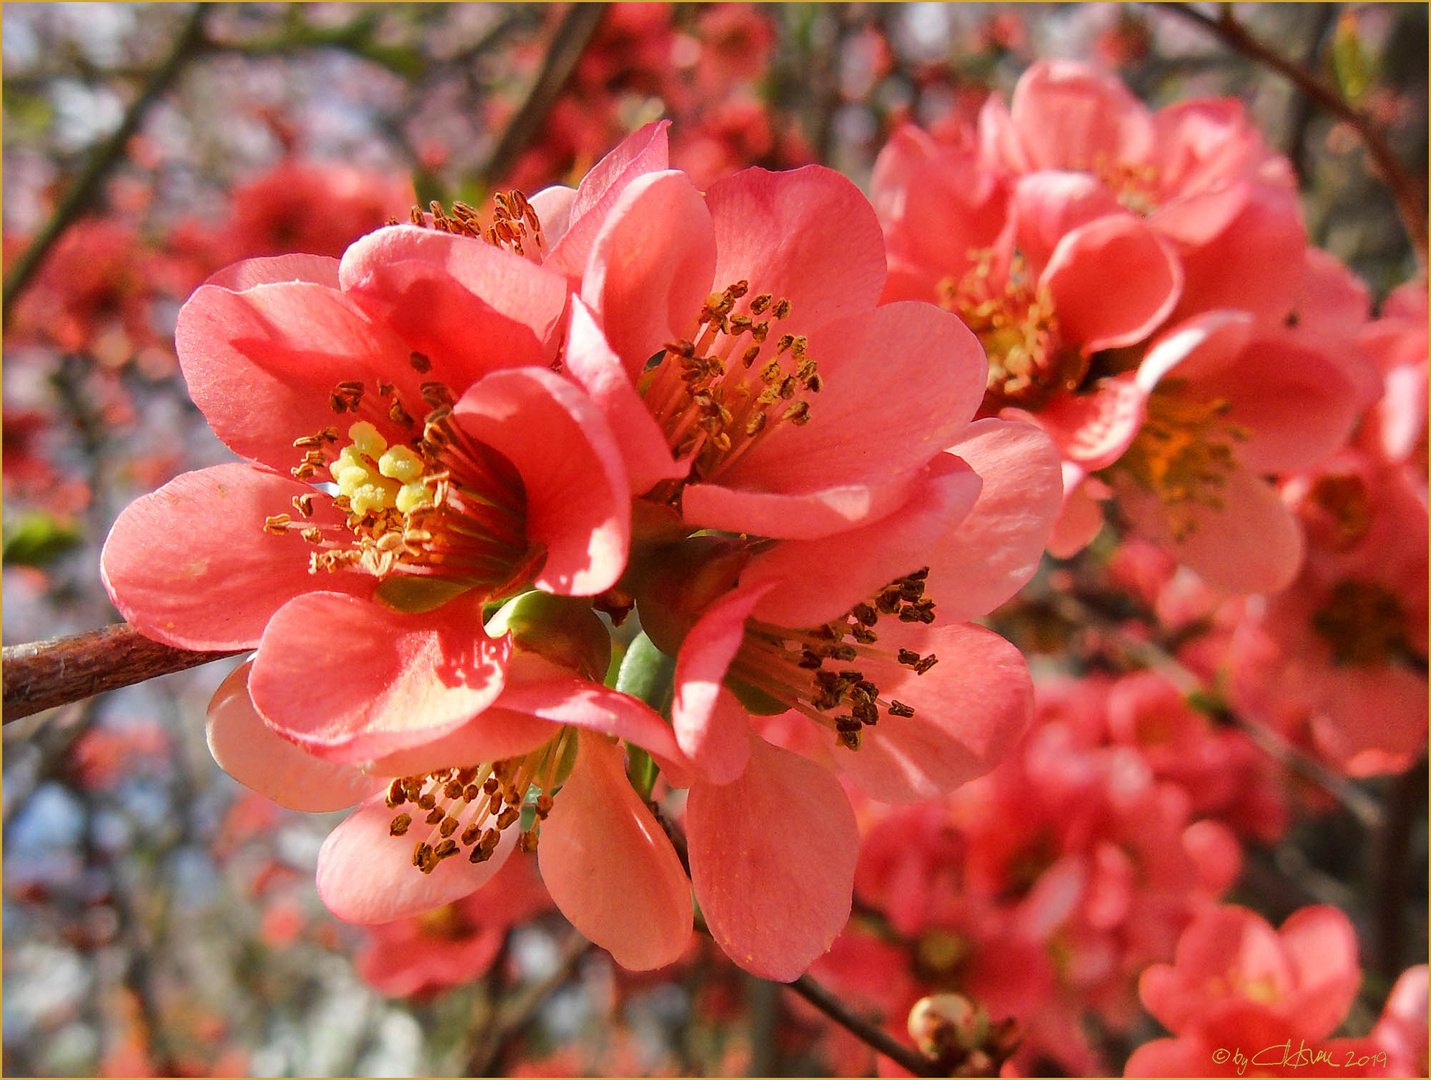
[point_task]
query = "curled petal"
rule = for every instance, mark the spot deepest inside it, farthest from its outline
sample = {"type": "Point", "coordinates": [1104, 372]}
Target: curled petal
{"type": "Point", "coordinates": [773, 861]}
{"type": "Point", "coordinates": [259, 758]}
{"type": "Point", "coordinates": [610, 868]}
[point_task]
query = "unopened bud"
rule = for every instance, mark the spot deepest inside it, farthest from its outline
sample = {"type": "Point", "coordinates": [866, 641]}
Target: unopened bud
{"type": "Point", "coordinates": [947, 1026]}
{"type": "Point", "coordinates": [562, 629]}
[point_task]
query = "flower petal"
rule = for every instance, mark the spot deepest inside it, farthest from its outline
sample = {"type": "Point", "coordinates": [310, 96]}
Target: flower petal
{"type": "Point", "coordinates": [350, 680]}
{"type": "Point", "coordinates": [609, 866]}
{"type": "Point", "coordinates": [578, 497]}
{"type": "Point", "coordinates": [592, 363]}
{"type": "Point", "coordinates": [773, 861]}
{"type": "Point", "coordinates": [969, 710]}
{"type": "Point", "coordinates": [318, 269]}
{"type": "Point", "coordinates": [260, 759]}
{"type": "Point", "coordinates": [192, 566]}
{"type": "Point", "coordinates": [366, 875]}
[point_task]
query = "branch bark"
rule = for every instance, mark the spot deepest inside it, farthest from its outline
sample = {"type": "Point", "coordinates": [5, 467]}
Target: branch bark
{"type": "Point", "coordinates": [44, 674]}
{"type": "Point", "coordinates": [86, 188]}
{"type": "Point", "coordinates": [1408, 193]}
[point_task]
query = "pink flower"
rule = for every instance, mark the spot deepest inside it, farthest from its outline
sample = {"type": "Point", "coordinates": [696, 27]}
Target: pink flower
{"type": "Point", "coordinates": [1238, 983]}
{"type": "Point", "coordinates": [1396, 425]}
{"type": "Point", "coordinates": [450, 945]}
{"type": "Point", "coordinates": [466, 470]}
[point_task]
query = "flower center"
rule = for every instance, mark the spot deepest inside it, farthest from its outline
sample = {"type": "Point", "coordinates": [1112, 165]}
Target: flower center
{"type": "Point", "coordinates": [1363, 622]}
{"type": "Point", "coordinates": [469, 808]}
{"type": "Point", "coordinates": [1135, 186]}
{"type": "Point", "coordinates": [1016, 323]}
{"type": "Point", "coordinates": [514, 221]}
{"type": "Point", "coordinates": [1183, 453]}
{"type": "Point", "coordinates": [1338, 511]}
{"type": "Point", "coordinates": [714, 397]}
{"type": "Point", "coordinates": [777, 668]}
{"type": "Point", "coordinates": [432, 517]}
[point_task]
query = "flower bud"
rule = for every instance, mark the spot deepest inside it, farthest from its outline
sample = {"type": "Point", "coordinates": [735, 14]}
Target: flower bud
{"type": "Point", "coordinates": [947, 1026]}
{"type": "Point", "coordinates": [562, 629]}
{"type": "Point", "coordinates": [674, 585]}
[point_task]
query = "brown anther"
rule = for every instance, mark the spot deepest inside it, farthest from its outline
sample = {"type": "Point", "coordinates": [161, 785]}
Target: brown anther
{"type": "Point", "coordinates": [448, 826]}
{"type": "Point", "coordinates": [508, 817]}
{"type": "Point", "coordinates": [739, 324]}
{"type": "Point", "coordinates": [421, 855]}
{"type": "Point", "coordinates": [277, 524]}
{"type": "Point", "coordinates": [756, 424]}
{"type": "Point", "coordinates": [798, 414]}
{"type": "Point", "coordinates": [312, 534]}
{"type": "Point", "coordinates": [748, 357]}
{"type": "Point", "coordinates": [925, 664]}
{"type": "Point", "coordinates": [427, 800]}
{"type": "Point", "coordinates": [445, 850]}
{"type": "Point", "coordinates": [385, 389]}
{"type": "Point", "coordinates": [307, 442]}
{"type": "Point", "coordinates": [479, 855]}
{"type": "Point", "coordinates": [908, 657]}
{"type": "Point", "coordinates": [527, 842]}
{"type": "Point", "coordinates": [760, 331]}
{"type": "Point", "coordinates": [760, 303]}
{"type": "Point", "coordinates": [788, 386]}
{"type": "Point", "coordinates": [420, 363]}
{"type": "Point", "coordinates": [471, 834]}
{"type": "Point", "coordinates": [304, 504]}
{"type": "Point", "coordinates": [398, 415]}
{"type": "Point", "coordinates": [798, 347]}
{"type": "Point", "coordinates": [435, 815]}
{"type": "Point", "coordinates": [490, 785]}
{"type": "Point", "coordinates": [681, 347]}
{"type": "Point", "coordinates": [771, 372]}
{"type": "Point", "coordinates": [814, 384]}
{"type": "Point", "coordinates": [739, 289]}
{"type": "Point", "coordinates": [437, 395]}
{"type": "Point", "coordinates": [452, 789]}
{"type": "Point", "coordinates": [399, 825]}
{"type": "Point", "coordinates": [781, 308]}
{"type": "Point", "coordinates": [898, 708]}
{"type": "Point", "coordinates": [544, 805]}
{"type": "Point", "coordinates": [783, 342]}
{"type": "Point", "coordinates": [417, 217]}
{"type": "Point", "coordinates": [396, 795]}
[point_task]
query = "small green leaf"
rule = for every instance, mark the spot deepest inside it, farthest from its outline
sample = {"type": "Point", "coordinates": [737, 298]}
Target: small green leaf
{"type": "Point", "coordinates": [648, 674]}
{"type": "Point", "coordinates": [414, 595]}
{"type": "Point", "coordinates": [39, 539]}
{"type": "Point", "coordinates": [1349, 60]}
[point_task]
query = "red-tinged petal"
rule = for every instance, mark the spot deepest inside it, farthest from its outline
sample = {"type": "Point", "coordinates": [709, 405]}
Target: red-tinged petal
{"type": "Point", "coordinates": [1295, 401]}
{"type": "Point", "coordinates": [1371, 719]}
{"type": "Point", "coordinates": [553, 207]}
{"type": "Point", "coordinates": [773, 861]}
{"type": "Point", "coordinates": [993, 551]}
{"type": "Point", "coordinates": [937, 203]}
{"type": "Point", "coordinates": [492, 735]}
{"type": "Point", "coordinates": [352, 680]}
{"type": "Point", "coordinates": [366, 875]}
{"type": "Point", "coordinates": [1196, 349]}
{"type": "Point", "coordinates": [1115, 248]}
{"type": "Point", "coordinates": [468, 306]}
{"type": "Point", "coordinates": [1321, 945]}
{"type": "Point", "coordinates": [714, 735]}
{"type": "Point", "coordinates": [873, 420]}
{"type": "Point", "coordinates": [1079, 519]}
{"type": "Point", "coordinates": [316, 269]}
{"type": "Point", "coordinates": [578, 497]}
{"type": "Point", "coordinates": [969, 710]}
{"type": "Point", "coordinates": [1092, 429]}
{"type": "Point", "coordinates": [1252, 544]}
{"type": "Point", "coordinates": [592, 363]}
{"type": "Point", "coordinates": [808, 235]}
{"type": "Point", "coordinates": [609, 866]}
{"type": "Point", "coordinates": [261, 364]}
{"type": "Point", "coordinates": [651, 267]}
{"type": "Point", "coordinates": [1178, 1057]}
{"type": "Point", "coordinates": [641, 152]}
{"type": "Point", "coordinates": [1070, 116]}
{"type": "Point", "coordinates": [1049, 205]}
{"type": "Point", "coordinates": [815, 581]}
{"type": "Point", "coordinates": [1200, 217]}
{"type": "Point", "coordinates": [192, 566]}
{"type": "Point", "coordinates": [807, 516]}
{"type": "Point", "coordinates": [260, 759]}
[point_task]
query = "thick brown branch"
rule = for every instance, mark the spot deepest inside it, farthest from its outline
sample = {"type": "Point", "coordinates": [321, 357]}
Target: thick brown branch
{"type": "Point", "coordinates": [87, 187]}
{"type": "Point", "coordinates": [44, 674]}
{"type": "Point", "coordinates": [1408, 193]}
{"type": "Point", "coordinates": [574, 34]}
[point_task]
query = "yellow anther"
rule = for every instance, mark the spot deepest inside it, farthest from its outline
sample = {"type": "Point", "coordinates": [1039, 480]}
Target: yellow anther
{"type": "Point", "coordinates": [366, 439]}
{"type": "Point", "coordinates": [413, 495]}
{"type": "Point", "coordinates": [400, 463]}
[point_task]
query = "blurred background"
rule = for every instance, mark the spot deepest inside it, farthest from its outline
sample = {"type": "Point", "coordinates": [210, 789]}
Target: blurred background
{"type": "Point", "coordinates": [159, 919]}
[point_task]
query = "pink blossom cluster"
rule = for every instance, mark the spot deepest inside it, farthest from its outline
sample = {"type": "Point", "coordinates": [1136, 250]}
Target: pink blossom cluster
{"type": "Point", "coordinates": [466, 437]}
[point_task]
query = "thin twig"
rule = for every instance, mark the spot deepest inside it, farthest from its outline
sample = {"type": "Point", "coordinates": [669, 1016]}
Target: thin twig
{"type": "Point", "coordinates": [907, 1058]}
{"type": "Point", "coordinates": [523, 1008]}
{"type": "Point", "coordinates": [44, 674]}
{"type": "Point", "coordinates": [86, 188]}
{"type": "Point", "coordinates": [1409, 194]}
{"type": "Point", "coordinates": [572, 37]}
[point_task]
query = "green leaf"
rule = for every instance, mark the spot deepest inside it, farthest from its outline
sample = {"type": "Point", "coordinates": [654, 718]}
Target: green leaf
{"type": "Point", "coordinates": [648, 674]}
{"type": "Point", "coordinates": [414, 595]}
{"type": "Point", "coordinates": [1349, 60]}
{"type": "Point", "coordinates": [39, 539]}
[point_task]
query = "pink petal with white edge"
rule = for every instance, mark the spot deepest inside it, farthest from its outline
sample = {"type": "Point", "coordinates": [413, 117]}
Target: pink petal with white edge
{"type": "Point", "coordinates": [592, 363]}
{"type": "Point", "coordinates": [713, 735]}
{"type": "Point", "coordinates": [366, 875]}
{"type": "Point", "coordinates": [1197, 348]}
{"type": "Point", "coordinates": [1252, 545]}
{"type": "Point", "coordinates": [469, 307]}
{"type": "Point", "coordinates": [609, 866]}
{"type": "Point", "coordinates": [1092, 429]}
{"type": "Point", "coordinates": [553, 207]}
{"type": "Point", "coordinates": [1049, 205]}
{"type": "Point", "coordinates": [970, 709]}
{"type": "Point", "coordinates": [808, 235]}
{"type": "Point", "coordinates": [578, 497]}
{"type": "Point", "coordinates": [641, 152]}
{"type": "Point", "coordinates": [988, 556]}
{"type": "Point", "coordinates": [351, 680]}
{"type": "Point", "coordinates": [651, 267]}
{"type": "Point", "coordinates": [930, 372]}
{"type": "Point", "coordinates": [261, 364]}
{"type": "Point", "coordinates": [814, 581]}
{"type": "Point", "coordinates": [1070, 116]}
{"type": "Point", "coordinates": [192, 566]}
{"type": "Point", "coordinates": [258, 758]}
{"type": "Point", "coordinates": [316, 269]}
{"type": "Point", "coordinates": [1116, 248]}
{"type": "Point", "coordinates": [773, 861]}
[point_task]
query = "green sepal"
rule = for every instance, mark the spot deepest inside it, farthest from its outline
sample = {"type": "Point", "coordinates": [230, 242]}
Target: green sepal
{"type": "Point", "coordinates": [413, 595]}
